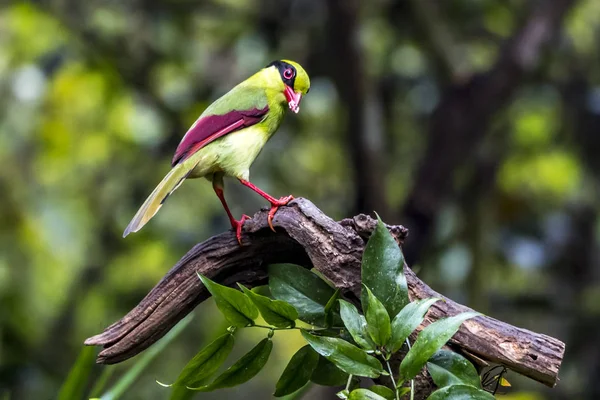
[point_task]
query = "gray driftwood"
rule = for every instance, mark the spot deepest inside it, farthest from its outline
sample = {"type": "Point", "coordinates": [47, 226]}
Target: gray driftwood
{"type": "Point", "coordinates": [307, 237]}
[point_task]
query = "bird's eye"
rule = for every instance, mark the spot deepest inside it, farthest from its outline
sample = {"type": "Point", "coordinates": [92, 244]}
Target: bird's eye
{"type": "Point", "coordinates": [288, 73]}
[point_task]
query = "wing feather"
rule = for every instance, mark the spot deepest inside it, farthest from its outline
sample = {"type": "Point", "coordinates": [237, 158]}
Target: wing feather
{"type": "Point", "coordinates": [211, 127]}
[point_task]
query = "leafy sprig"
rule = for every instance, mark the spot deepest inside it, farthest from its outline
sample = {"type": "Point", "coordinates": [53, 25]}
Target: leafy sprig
{"type": "Point", "coordinates": [342, 344]}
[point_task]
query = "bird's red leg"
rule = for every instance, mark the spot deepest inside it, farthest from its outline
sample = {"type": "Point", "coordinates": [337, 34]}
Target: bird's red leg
{"type": "Point", "coordinates": [275, 203]}
{"type": "Point", "coordinates": [235, 224]}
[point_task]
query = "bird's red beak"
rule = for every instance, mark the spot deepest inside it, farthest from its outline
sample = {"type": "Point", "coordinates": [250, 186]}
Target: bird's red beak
{"type": "Point", "coordinates": [293, 98]}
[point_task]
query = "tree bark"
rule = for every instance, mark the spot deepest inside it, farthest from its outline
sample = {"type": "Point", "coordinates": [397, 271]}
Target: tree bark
{"type": "Point", "coordinates": [307, 237]}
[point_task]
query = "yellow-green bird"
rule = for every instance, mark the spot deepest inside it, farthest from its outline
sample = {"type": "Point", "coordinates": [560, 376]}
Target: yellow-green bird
{"type": "Point", "coordinates": [228, 136]}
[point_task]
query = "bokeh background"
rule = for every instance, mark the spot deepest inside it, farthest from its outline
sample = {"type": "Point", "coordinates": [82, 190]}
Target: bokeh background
{"type": "Point", "coordinates": [472, 122]}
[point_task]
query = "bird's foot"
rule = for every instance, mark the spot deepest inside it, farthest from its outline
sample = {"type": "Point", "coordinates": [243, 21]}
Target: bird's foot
{"type": "Point", "coordinates": [275, 206]}
{"type": "Point", "coordinates": [237, 226]}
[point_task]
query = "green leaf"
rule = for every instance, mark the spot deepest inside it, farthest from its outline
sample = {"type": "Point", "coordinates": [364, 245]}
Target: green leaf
{"type": "Point", "coordinates": [276, 312]}
{"type": "Point", "coordinates": [297, 372]}
{"type": "Point", "coordinates": [383, 391]}
{"type": "Point", "coordinates": [407, 320]}
{"type": "Point", "coordinates": [356, 324]}
{"type": "Point", "coordinates": [329, 314]}
{"type": "Point", "coordinates": [181, 393]}
{"type": "Point", "coordinates": [383, 270]}
{"type": "Point", "coordinates": [101, 382]}
{"type": "Point", "coordinates": [75, 385]}
{"type": "Point", "coordinates": [331, 302]}
{"type": "Point", "coordinates": [206, 362]}
{"type": "Point", "coordinates": [460, 392]}
{"type": "Point", "coordinates": [448, 368]}
{"type": "Point", "coordinates": [263, 290]}
{"type": "Point", "coordinates": [327, 374]}
{"type": "Point", "coordinates": [300, 393]}
{"type": "Point", "coordinates": [237, 308]}
{"type": "Point", "coordinates": [402, 391]}
{"type": "Point", "coordinates": [302, 289]}
{"type": "Point", "coordinates": [243, 370]}
{"type": "Point", "coordinates": [345, 356]}
{"type": "Point", "coordinates": [429, 341]}
{"type": "Point", "coordinates": [378, 320]}
{"type": "Point", "coordinates": [364, 394]}
{"type": "Point", "coordinates": [133, 372]}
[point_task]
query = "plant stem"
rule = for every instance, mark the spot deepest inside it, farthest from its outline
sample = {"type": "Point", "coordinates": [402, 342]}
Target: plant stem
{"type": "Point", "coordinates": [349, 381]}
{"type": "Point", "coordinates": [290, 328]}
{"type": "Point", "coordinates": [412, 381]}
{"type": "Point", "coordinates": [393, 380]}
{"type": "Point", "coordinates": [272, 328]}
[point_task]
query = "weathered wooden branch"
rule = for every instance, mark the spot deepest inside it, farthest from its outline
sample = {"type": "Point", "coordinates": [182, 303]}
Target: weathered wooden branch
{"type": "Point", "coordinates": [307, 237]}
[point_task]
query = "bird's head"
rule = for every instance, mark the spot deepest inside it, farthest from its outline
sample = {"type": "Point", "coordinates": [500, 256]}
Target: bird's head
{"type": "Point", "coordinates": [296, 82]}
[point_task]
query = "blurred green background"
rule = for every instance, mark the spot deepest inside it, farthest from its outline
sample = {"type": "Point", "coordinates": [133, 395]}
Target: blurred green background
{"type": "Point", "coordinates": [472, 122]}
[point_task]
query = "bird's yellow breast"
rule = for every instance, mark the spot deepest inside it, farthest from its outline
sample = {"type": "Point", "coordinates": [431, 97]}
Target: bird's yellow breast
{"type": "Point", "coordinates": [232, 154]}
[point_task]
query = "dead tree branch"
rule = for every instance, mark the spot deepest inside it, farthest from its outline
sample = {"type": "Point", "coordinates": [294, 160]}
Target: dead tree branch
{"type": "Point", "coordinates": [310, 238]}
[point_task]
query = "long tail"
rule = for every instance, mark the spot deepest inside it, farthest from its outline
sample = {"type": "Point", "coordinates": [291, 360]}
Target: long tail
{"type": "Point", "coordinates": [154, 202]}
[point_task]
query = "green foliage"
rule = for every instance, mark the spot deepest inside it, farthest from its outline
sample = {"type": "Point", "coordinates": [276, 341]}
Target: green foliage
{"type": "Point", "coordinates": [101, 382]}
{"type": "Point", "coordinates": [330, 358]}
{"type": "Point", "coordinates": [304, 290]}
{"type": "Point", "coordinates": [275, 312]}
{"type": "Point", "coordinates": [331, 317]}
{"type": "Point", "coordinates": [429, 341]}
{"type": "Point", "coordinates": [345, 356]}
{"type": "Point", "coordinates": [356, 325]}
{"type": "Point", "coordinates": [383, 270]}
{"type": "Point", "coordinates": [237, 308]}
{"type": "Point", "coordinates": [206, 362]}
{"type": "Point", "coordinates": [93, 103]}
{"type": "Point", "coordinates": [365, 394]}
{"type": "Point", "coordinates": [448, 368]}
{"type": "Point", "coordinates": [75, 385]}
{"type": "Point", "coordinates": [383, 391]}
{"type": "Point", "coordinates": [124, 383]}
{"type": "Point", "coordinates": [378, 320]}
{"type": "Point", "coordinates": [298, 371]}
{"type": "Point", "coordinates": [244, 369]}
{"type": "Point", "coordinates": [407, 320]}
{"type": "Point", "coordinates": [327, 374]}
{"type": "Point", "coordinates": [460, 392]}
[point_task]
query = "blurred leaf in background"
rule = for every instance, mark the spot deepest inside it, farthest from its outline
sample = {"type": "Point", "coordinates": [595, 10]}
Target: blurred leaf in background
{"type": "Point", "coordinates": [416, 111]}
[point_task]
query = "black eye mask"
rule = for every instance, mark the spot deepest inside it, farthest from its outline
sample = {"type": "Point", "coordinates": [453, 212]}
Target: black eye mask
{"type": "Point", "coordinates": [286, 71]}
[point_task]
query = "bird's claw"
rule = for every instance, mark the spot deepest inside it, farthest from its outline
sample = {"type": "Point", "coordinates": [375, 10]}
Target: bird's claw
{"type": "Point", "coordinates": [275, 206]}
{"type": "Point", "coordinates": [238, 228]}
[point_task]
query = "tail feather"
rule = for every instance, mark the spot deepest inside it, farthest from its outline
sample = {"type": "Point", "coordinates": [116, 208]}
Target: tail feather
{"type": "Point", "coordinates": [154, 202]}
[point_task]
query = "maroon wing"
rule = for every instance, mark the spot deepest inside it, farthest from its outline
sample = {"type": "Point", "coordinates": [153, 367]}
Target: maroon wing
{"type": "Point", "coordinates": [206, 129]}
